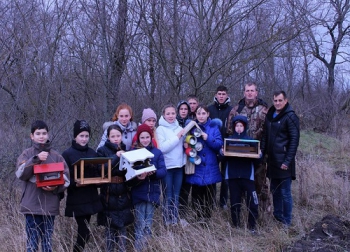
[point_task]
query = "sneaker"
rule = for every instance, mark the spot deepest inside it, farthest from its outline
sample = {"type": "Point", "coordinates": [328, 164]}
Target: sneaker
{"type": "Point", "coordinates": [253, 232]}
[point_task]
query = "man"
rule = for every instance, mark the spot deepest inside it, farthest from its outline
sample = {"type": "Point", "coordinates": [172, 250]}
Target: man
{"type": "Point", "coordinates": [255, 110]}
{"type": "Point", "coordinates": [194, 102]}
{"type": "Point", "coordinates": [280, 142]}
{"type": "Point", "coordinates": [221, 109]}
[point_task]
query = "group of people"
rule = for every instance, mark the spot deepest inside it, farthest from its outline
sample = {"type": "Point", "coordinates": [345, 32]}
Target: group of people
{"type": "Point", "coordinates": [121, 203]}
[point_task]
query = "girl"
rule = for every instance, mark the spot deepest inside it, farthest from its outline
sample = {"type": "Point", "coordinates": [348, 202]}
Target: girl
{"type": "Point", "coordinates": [115, 196]}
{"type": "Point", "coordinates": [123, 118]}
{"type": "Point", "coordinates": [183, 110]}
{"type": "Point", "coordinates": [82, 201]}
{"type": "Point", "coordinates": [207, 173]}
{"type": "Point", "coordinates": [170, 140]}
{"type": "Point", "coordinates": [149, 118]}
{"type": "Point", "coordinates": [146, 188]}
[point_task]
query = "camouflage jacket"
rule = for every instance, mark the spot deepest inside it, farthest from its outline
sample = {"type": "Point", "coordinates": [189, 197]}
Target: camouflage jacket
{"type": "Point", "coordinates": [255, 114]}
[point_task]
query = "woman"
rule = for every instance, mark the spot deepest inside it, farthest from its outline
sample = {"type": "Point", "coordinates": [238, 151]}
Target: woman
{"type": "Point", "coordinates": [82, 200]}
{"type": "Point", "coordinates": [207, 173]}
{"type": "Point", "coordinates": [170, 142]}
{"type": "Point", "coordinates": [123, 118]}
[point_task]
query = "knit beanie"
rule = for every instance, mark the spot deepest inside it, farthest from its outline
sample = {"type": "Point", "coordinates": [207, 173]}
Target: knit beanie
{"type": "Point", "coordinates": [80, 126]}
{"type": "Point", "coordinates": [148, 113]}
{"type": "Point", "coordinates": [142, 128]}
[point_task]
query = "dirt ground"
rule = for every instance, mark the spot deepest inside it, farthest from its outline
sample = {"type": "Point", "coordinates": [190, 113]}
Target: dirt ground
{"type": "Point", "coordinates": [329, 235]}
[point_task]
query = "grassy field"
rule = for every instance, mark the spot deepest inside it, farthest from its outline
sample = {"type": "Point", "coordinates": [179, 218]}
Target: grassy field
{"type": "Point", "coordinates": [322, 188]}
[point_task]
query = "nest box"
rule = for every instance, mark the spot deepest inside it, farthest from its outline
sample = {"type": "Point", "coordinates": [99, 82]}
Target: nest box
{"type": "Point", "coordinates": [136, 162]}
{"type": "Point", "coordinates": [95, 166]}
{"type": "Point", "coordinates": [242, 148]}
{"type": "Point", "coordinates": [49, 174]}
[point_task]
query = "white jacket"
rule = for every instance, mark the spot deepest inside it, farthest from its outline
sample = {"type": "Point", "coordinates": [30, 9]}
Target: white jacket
{"type": "Point", "coordinates": [170, 145]}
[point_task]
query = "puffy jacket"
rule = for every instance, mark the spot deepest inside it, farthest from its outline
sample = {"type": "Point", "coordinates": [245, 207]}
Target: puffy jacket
{"type": "Point", "coordinates": [280, 142]}
{"type": "Point", "coordinates": [34, 199]}
{"type": "Point", "coordinates": [115, 198]}
{"type": "Point", "coordinates": [169, 144]}
{"type": "Point", "coordinates": [148, 190]}
{"type": "Point", "coordinates": [82, 200]}
{"type": "Point", "coordinates": [208, 172]}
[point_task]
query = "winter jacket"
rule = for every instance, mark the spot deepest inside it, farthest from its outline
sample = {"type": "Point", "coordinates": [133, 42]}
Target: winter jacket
{"type": "Point", "coordinates": [83, 200]}
{"type": "Point", "coordinates": [221, 111]}
{"type": "Point", "coordinates": [115, 197]}
{"type": "Point", "coordinates": [128, 133]}
{"type": "Point", "coordinates": [280, 142]}
{"type": "Point", "coordinates": [170, 145]}
{"type": "Point", "coordinates": [240, 167]}
{"type": "Point", "coordinates": [148, 190]}
{"type": "Point", "coordinates": [34, 199]}
{"type": "Point", "coordinates": [255, 112]}
{"type": "Point", "coordinates": [208, 172]}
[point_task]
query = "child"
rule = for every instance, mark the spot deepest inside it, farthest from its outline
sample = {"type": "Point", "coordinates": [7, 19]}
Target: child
{"type": "Point", "coordinates": [207, 173]}
{"type": "Point", "coordinates": [123, 118]}
{"type": "Point", "coordinates": [240, 177]}
{"type": "Point", "coordinates": [39, 205]}
{"type": "Point", "coordinates": [82, 200]}
{"type": "Point", "coordinates": [146, 188]}
{"type": "Point", "coordinates": [115, 196]}
{"type": "Point", "coordinates": [150, 119]}
{"type": "Point", "coordinates": [170, 142]}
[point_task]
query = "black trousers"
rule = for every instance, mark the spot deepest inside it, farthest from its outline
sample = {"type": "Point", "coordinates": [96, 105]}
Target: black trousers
{"type": "Point", "coordinates": [83, 232]}
{"type": "Point", "coordinates": [203, 200]}
{"type": "Point", "coordinates": [237, 188]}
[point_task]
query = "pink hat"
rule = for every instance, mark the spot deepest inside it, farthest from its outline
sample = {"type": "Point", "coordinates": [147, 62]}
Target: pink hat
{"type": "Point", "coordinates": [148, 113]}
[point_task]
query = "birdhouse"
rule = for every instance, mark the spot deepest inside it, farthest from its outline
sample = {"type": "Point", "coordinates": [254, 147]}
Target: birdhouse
{"type": "Point", "coordinates": [242, 148]}
{"type": "Point", "coordinates": [49, 174]}
{"type": "Point", "coordinates": [136, 162]}
{"type": "Point", "coordinates": [91, 170]}
{"type": "Point", "coordinates": [193, 128]}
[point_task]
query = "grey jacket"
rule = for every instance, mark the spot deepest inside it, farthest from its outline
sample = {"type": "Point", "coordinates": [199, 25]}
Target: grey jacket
{"type": "Point", "coordinates": [34, 199]}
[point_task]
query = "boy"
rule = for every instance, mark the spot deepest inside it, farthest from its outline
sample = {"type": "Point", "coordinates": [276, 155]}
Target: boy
{"type": "Point", "coordinates": [240, 178]}
{"type": "Point", "coordinates": [39, 205]}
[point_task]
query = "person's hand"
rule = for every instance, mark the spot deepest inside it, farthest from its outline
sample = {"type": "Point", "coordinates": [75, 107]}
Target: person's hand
{"type": "Point", "coordinates": [49, 188]}
{"type": "Point", "coordinates": [204, 135]}
{"type": "Point", "coordinates": [43, 155]}
{"type": "Point", "coordinates": [119, 153]}
{"type": "Point", "coordinates": [284, 167]}
{"type": "Point", "coordinates": [185, 145]}
{"type": "Point", "coordinates": [142, 176]}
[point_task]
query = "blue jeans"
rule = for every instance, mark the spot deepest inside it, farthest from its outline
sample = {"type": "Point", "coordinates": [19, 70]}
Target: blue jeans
{"type": "Point", "coordinates": [143, 223]}
{"type": "Point", "coordinates": [39, 227]}
{"type": "Point", "coordinates": [116, 236]}
{"type": "Point", "coordinates": [282, 200]}
{"type": "Point", "coordinates": [172, 186]}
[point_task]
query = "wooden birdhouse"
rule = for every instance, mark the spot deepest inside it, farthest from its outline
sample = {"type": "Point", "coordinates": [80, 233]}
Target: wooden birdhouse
{"type": "Point", "coordinates": [84, 167]}
{"type": "Point", "coordinates": [49, 174]}
{"type": "Point", "coordinates": [136, 162]}
{"type": "Point", "coordinates": [242, 148]}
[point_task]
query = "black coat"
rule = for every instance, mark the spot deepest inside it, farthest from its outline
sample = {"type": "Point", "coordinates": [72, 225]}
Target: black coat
{"type": "Point", "coordinates": [115, 198]}
{"type": "Point", "coordinates": [82, 200]}
{"type": "Point", "coordinates": [280, 142]}
{"type": "Point", "coordinates": [222, 112]}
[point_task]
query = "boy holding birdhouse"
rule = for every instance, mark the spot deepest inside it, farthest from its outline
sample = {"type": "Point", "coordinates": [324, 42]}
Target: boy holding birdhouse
{"type": "Point", "coordinates": [40, 203]}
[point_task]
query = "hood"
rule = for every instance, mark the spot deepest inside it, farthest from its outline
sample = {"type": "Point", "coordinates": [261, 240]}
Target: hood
{"type": "Point", "coordinates": [224, 105]}
{"type": "Point", "coordinates": [242, 119]}
{"type": "Point", "coordinates": [180, 103]}
{"type": "Point", "coordinates": [163, 122]}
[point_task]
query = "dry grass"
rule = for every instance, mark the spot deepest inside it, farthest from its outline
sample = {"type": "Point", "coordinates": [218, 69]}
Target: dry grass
{"type": "Point", "coordinates": [318, 191]}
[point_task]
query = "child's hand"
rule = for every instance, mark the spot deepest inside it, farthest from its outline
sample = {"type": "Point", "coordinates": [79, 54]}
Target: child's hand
{"type": "Point", "coordinates": [119, 153]}
{"type": "Point", "coordinates": [185, 145]}
{"type": "Point", "coordinates": [49, 188]}
{"type": "Point", "coordinates": [204, 135]}
{"type": "Point", "coordinates": [142, 176]}
{"type": "Point", "coordinates": [180, 134]}
{"type": "Point", "coordinates": [43, 155]}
